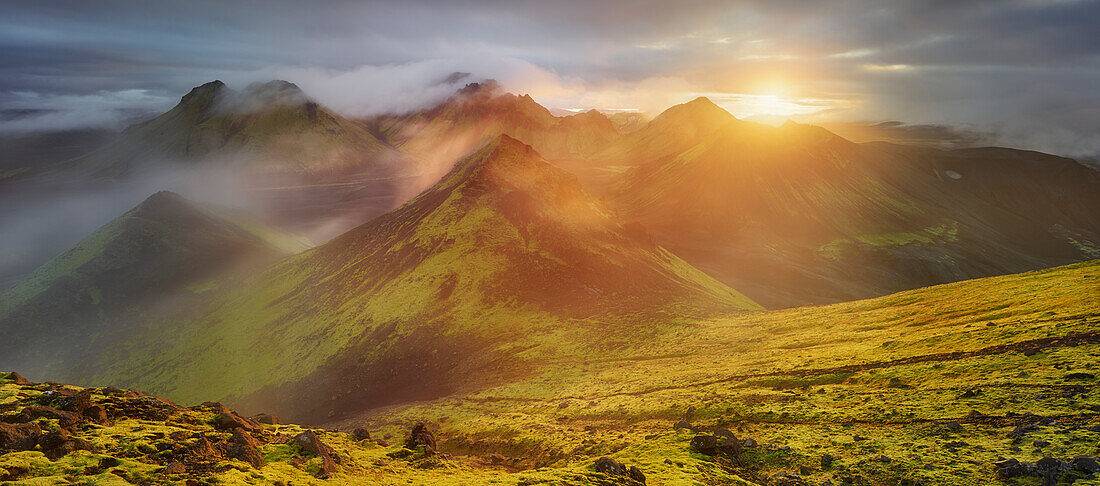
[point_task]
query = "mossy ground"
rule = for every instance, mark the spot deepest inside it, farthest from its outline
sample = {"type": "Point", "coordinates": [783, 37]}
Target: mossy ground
{"type": "Point", "coordinates": [925, 386]}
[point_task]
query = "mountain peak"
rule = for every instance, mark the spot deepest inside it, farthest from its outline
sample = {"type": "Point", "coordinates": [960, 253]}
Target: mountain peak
{"type": "Point", "coordinates": [205, 95]}
{"type": "Point", "coordinates": [277, 92]}
{"type": "Point", "coordinates": [701, 109]}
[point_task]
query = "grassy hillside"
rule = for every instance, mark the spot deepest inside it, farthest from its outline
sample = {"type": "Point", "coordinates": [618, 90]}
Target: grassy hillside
{"type": "Point", "coordinates": [503, 264]}
{"type": "Point", "coordinates": [933, 386]}
{"type": "Point", "coordinates": [164, 246]}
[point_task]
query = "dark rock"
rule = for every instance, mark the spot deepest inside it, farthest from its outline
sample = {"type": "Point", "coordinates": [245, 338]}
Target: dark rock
{"type": "Point", "coordinates": [311, 443]}
{"type": "Point", "coordinates": [361, 434]}
{"type": "Point", "coordinates": [19, 437]}
{"type": "Point", "coordinates": [108, 462]}
{"type": "Point", "coordinates": [683, 424]}
{"type": "Point", "coordinates": [611, 467]}
{"type": "Point", "coordinates": [805, 470]}
{"type": "Point", "coordinates": [53, 439]}
{"type": "Point", "coordinates": [827, 461]}
{"type": "Point", "coordinates": [229, 420]}
{"type": "Point", "coordinates": [1086, 464]}
{"type": "Point", "coordinates": [76, 403]}
{"type": "Point", "coordinates": [1040, 444]}
{"type": "Point", "coordinates": [420, 436]}
{"type": "Point", "coordinates": [244, 447]}
{"type": "Point", "coordinates": [750, 443]}
{"type": "Point", "coordinates": [953, 426]}
{"type": "Point", "coordinates": [1049, 468]}
{"type": "Point", "coordinates": [95, 413]}
{"type": "Point", "coordinates": [267, 418]}
{"type": "Point", "coordinates": [714, 445]}
{"type": "Point", "coordinates": [1080, 376]}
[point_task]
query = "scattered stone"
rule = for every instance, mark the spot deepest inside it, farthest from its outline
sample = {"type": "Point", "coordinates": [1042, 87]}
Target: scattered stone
{"type": "Point", "coordinates": [19, 437]}
{"type": "Point", "coordinates": [361, 434]}
{"type": "Point", "coordinates": [420, 436]}
{"type": "Point", "coordinates": [715, 445]}
{"type": "Point", "coordinates": [611, 467]}
{"type": "Point", "coordinates": [244, 447]}
{"type": "Point", "coordinates": [311, 443]}
{"type": "Point", "coordinates": [1050, 468]}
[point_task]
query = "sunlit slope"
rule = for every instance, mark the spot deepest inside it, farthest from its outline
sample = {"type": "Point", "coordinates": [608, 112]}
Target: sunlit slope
{"type": "Point", "coordinates": [925, 385]}
{"type": "Point", "coordinates": [159, 248]}
{"type": "Point", "coordinates": [272, 126]}
{"type": "Point", "coordinates": [796, 215]}
{"type": "Point", "coordinates": [504, 262]}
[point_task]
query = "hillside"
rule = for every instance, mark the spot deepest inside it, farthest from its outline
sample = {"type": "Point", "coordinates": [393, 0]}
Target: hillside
{"type": "Point", "coordinates": [503, 263]}
{"type": "Point", "coordinates": [796, 215]}
{"type": "Point", "coordinates": [80, 300]}
{"type": "Point", "coordinates": [979, 382]}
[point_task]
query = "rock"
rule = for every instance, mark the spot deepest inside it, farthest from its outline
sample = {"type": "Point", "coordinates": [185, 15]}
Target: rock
{"type": "Point", "coordinates": [953, 426]}
{"type": "Point", "coordinates": [1012, 468]}
{"type": "Point", "coordinates": [244, 447]}
{"type": "Point", "coordinates": [1039, 444]}
{"type": "Point", "coordinates": [724, 433]}
{"type": "Point", "coordinates": [95, 413]}
{"type": "Point", "coordinates": [108, 462]}
{"type": "Point", "coordinates": [1022, 430]}
{"type": "Point", "coordinates": [827, 461]}
{"type": "Point", "coordinates": [750, 443]}
{"type": "Point", "coordinates": [611, 467]}
{"type": "Point", "coordinates": [714, 445]}
{"type": "Point", "coordinates": [53, 439]}
{"type": "Point", "coordinates": [18, 379]}
{"type": "Point", "coordinates": [361, 434]}
{"type": "Point", "coordinates": [175, 468]}
{"type": "Point", "coordinates": [683, 424]}
{"type": "Point", "coordinates": [311, 443]}
{"type": "Point", "coordinates": [1086, 464]}
{"type": "Point", "coordinates": [1080, 376]}
{"type": "Point", "coordinates": [1050, 468]}
{"type": "Point", "coordinates": [267, 418]}
{"type": "Point", "coordinates": [805, 470]}
{"type": "Point", "coordinates": [19, 437]}
{"type": "Point", "coordinates": [229, 420]}
{"type": "Point", "coordinates": [971, 393]}
{"type": "Point", "coordinates": [76, 403]}
{"type": "Point", "coordinates": [420, 436]}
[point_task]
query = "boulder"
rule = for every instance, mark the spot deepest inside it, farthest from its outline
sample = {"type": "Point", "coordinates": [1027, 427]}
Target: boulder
{"type": "Point", "coordinates": [1086, 464]}
{"type": "Point", "coordinates": [229, 420]}
{"type": "Point", "coordinates": [611, 467]}
{"type": "Point", "coordinates": [361, 434]}
{"type": "Point", "coordinates": [309, 442]}
{"type": "Point", "coordinates": [19, 437]}
{"type": "Point", "coordinates": [420, 436]}
{"type": "Point", "coordinates": [683, 424]}
{"type": "Point", "coordinates": [716, 445]}
{"type": "Point", "coordinates": [1012, 468]}
{"type": "Point", "coordinates": [244, 447]}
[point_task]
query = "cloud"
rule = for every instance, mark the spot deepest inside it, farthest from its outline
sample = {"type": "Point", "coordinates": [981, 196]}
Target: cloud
{"type": "Point", "coordinates": [29, 111]}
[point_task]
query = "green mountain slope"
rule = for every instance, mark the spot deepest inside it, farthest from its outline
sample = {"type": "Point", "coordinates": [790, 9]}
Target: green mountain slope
{"type": "Point", "coordinates": [796, 215]}
{"type": "Point", "coordinates": [936, 386]}
{"type": "Point", "coordinates": [504, 262]}
{"type": "Point", "coordinates": [159, 248]}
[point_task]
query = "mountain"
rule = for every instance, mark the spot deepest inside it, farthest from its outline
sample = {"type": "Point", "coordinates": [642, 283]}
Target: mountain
{"type": "Point", "coordinates": [274, 125]}
{"type": "Point", "coordinates": [795, 215]}
{"type": "Point", "coordinates": [503, 262]}
{"type": "Point", "coordinates": [478, 113]}
{"type": "Point", "coordinates": [164, 247]}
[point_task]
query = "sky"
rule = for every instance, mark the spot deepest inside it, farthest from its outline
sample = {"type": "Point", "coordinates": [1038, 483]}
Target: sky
{"type": "Point", "coordinates": [1022, 73]}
